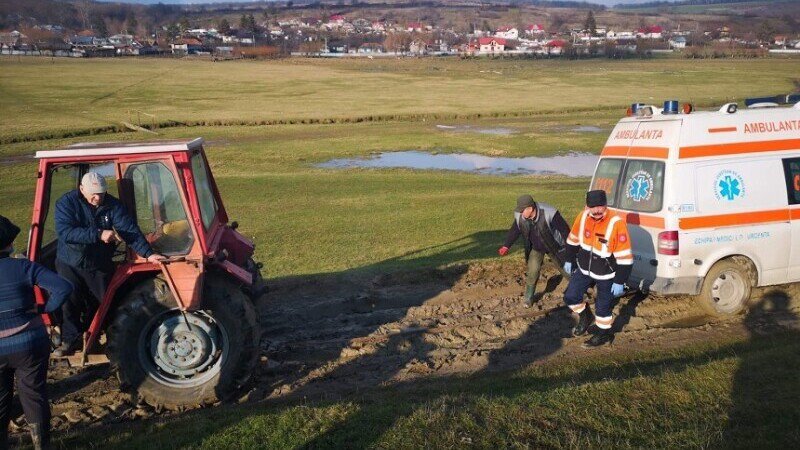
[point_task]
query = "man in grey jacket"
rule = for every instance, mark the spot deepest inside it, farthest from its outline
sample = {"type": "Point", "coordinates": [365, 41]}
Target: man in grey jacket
{"type": "Point", "coordinates": [544, 230]}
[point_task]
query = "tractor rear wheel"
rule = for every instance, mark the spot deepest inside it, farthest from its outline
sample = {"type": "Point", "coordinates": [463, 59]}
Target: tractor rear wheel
{"type": "Point", "coordinates": [178, 359]}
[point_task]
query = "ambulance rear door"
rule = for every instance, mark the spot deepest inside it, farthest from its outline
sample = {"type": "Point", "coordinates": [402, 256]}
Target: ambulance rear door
{"type": "Point", "coordinates": [638, 186]}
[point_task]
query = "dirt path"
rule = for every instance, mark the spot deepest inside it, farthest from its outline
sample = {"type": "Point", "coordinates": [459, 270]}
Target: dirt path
{"type": "Point", "coordinates": [333, 335]}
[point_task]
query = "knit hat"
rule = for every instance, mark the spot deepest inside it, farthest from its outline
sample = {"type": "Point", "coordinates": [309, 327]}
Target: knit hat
{"type": "Point", "coordinates": [596, 198]}
{"type": "Point", "coordinates": [93, 183]}
{"type": "Point", "coordinates": [8, 232]}
{"type": "Point", "coordinates": [524, 201]}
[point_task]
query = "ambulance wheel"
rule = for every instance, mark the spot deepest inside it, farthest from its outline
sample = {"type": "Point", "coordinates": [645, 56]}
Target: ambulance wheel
{"type": "Point", "coordinates": [727, 286]}
{"type": "Point", "coordinates": [175, 359]}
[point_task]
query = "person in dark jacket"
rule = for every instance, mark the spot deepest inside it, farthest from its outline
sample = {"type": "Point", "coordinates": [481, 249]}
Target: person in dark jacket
{"type": "Point", "coordinates": [543, 230]}
{"type": "Point", "coordinates": [89, 223]}
{"type": "Point", "coordinates": [24, 344]}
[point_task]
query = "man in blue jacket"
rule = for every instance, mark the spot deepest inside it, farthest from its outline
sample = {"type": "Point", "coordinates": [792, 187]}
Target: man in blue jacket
{"type": "Point", "coordinates": [89, 223]}
{"type": "Point", "coordinates": [24, 345]}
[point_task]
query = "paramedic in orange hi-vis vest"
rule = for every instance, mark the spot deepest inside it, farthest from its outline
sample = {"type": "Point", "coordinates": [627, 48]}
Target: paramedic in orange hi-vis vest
{"type": "Point", "coordinates": [599, 253]}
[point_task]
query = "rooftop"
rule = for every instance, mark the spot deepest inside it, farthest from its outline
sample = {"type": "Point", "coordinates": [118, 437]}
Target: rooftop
{"type": "Point", "coordinates": [122, 148]}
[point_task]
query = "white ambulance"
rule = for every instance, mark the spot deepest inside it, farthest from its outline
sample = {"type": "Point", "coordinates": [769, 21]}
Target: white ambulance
{"type": "Point", "coordinates": [712, 199]}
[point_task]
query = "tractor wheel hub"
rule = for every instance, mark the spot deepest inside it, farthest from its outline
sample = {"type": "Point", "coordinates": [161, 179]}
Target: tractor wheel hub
{"type": "Point", "coordinates": [183, 347]}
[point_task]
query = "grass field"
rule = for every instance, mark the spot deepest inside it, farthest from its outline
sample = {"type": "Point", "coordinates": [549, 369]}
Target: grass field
{"type": "Point", "coordinates": [43, 97]}
{"type": "Point", "coordinates": [365, 217]}
{"type": "Point", "coordinates": [308, 220]}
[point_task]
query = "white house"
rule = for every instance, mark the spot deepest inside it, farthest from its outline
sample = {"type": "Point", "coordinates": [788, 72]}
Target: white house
{"type": "Point", "coordinates": [677, 42]}
{"type": "Point", "coordinates": [507, 33]}
{"type": "Point", "coordinates": [492, 45]}
{"type": "Point", "coordinates": [414, 27]}
{"type": "Point", "coordinates": [650, 32]}
{"type": "Point", "coordinates": [534, 29]}
{"type": "Point", "coordinates": [418, 47]}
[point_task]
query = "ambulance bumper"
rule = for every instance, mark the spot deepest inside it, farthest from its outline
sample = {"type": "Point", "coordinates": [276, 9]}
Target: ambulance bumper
{"type": "Point", "coordinates": [680, 285]}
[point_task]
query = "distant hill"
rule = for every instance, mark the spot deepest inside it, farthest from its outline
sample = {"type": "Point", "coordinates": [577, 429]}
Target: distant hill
{"type": "Point", "coordinates": [185, 2]}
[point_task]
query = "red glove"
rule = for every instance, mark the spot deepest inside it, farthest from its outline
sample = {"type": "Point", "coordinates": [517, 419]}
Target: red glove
{"type": "Point", "coordinates": [503, 251]}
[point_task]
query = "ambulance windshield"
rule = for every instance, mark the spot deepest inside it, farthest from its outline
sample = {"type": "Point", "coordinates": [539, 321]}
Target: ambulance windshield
{"type": "Point", "coordinates": [641, 182]}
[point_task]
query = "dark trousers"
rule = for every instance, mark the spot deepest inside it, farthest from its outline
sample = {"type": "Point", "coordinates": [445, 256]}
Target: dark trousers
{"type": "Point", "coordinates": [580, 283]}
{"type": "Point", "coordinates": [30, 369]}
{"type": "Point", "coordinates": [78, 311]}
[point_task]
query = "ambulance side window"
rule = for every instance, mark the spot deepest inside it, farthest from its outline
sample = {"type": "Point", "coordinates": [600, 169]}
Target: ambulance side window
{"type": "Point", "coordinates": [642, 186]}
{"type": "Point", "coordinates": [791, 168]}
{"type": "Point", "coordinates": [607, 178]}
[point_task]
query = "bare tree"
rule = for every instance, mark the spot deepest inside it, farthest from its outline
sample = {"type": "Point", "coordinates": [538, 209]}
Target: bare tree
{"type": "Point", "coordinates": [84, 8]}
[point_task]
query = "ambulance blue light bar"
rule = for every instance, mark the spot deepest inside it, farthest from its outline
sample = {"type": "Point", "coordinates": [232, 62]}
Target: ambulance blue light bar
{"type": "Point", "coordinates": [670, 107]}
{"type": "Point", "coordinates": [781, 99]}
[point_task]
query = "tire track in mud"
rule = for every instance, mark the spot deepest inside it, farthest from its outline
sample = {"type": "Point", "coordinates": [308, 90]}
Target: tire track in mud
{"type": "Point", "coordinates": [334, 335]}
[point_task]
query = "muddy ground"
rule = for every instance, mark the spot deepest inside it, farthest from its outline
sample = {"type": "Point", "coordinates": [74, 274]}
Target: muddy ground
{"type": "Point", "coordinates": [333, 335]}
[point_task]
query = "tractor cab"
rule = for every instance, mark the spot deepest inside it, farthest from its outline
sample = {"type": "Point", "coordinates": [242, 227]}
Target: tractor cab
{"type": "Point", "coordinates": [173, 327]}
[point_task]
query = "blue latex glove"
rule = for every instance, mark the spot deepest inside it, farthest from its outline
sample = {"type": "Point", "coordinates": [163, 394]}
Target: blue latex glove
{"type": "Point", "coordinates": [617, 289]}
{"type": "Point", "coordinates": [568, 267]}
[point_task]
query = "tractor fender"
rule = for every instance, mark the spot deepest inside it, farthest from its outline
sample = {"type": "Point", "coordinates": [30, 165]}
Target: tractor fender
{"type": "Point", "coordinates": [122, 276]}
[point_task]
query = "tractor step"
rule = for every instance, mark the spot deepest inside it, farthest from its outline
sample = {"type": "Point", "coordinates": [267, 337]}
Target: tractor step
{"type": "Point", "coordinates": [79, 359]}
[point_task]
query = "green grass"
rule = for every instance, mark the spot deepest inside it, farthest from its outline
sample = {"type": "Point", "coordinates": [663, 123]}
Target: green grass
{"type": "Point", "coordinates": [41, 97]}
{"type": "Point", "coordinates": [737, 395]}
{"type": "Point", "coordinates": [362, 219]}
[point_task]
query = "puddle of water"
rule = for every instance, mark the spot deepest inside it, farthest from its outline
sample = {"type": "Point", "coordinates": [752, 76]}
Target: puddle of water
{"type": "Point", "coordinates": [572, 164]}
{"type": "Point", "coordinates": [497, 131]}
{"type": "Point", "coordinates": [587, 129]}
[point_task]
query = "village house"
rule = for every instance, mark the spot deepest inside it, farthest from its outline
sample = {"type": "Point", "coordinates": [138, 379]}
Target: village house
{"type": "Point", "coordinates": [418, 47]}
{"type": "Point", "coordinates": [491, 45]}
{"type": "Point", "coordinates": [119, 40]}
{"type": "Point", "coordinates": [556, 46]}
{"type": "Point", "coordinates": [534, 29]}
{"type": "Point", "coordinates": [10, 39]}
{"type": "Point", "coordinates": [650, 32]}
{"type": "Point", "coordinates": [415, 27]}
{"type": "Point", "coordinates": [187, 46]}
{"type": "Point", "coordinates": [336, 20]}
{"type": "Point", "coordinates": [611, 34]}
{"type": "Point", "coordinates": [677, 42]}
{"type": "Point", "coordinates": [507, 33]}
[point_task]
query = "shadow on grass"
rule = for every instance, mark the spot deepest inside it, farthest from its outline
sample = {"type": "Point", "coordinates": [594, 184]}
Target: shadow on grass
{"type": "Point", "coordinates": [765, 410]}
{"type": "Point", "coordinates": [378, 410]}
{"type": "Point", "coordinates": [764, 396]}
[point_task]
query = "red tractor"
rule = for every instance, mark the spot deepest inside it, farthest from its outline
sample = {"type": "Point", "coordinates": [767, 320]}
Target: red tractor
{"type": "Point", "coordinates": [182, 332]}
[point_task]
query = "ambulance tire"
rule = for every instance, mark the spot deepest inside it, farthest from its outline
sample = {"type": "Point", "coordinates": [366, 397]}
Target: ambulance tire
{"type": "Point", "coordinates": [727, 287]}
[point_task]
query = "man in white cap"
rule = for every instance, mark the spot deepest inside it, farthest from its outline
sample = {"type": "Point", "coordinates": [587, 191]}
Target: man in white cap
{"type": "Point", "coordinates": [89, 223]}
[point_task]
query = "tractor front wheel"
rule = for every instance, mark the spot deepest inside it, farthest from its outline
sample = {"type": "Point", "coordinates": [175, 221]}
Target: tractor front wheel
{"type": "Point", "coordinates": [175, 358]}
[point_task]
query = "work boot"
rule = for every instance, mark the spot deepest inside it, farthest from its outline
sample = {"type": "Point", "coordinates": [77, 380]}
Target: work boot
{"type": "Point", "coordinates": [67, 348]}
{"type": "Point", "coordinates": [529, 295]}
{"type": "Point", "coordinates": [40, 436]}
{"type": "Point", "coordinates": [602, 337]}
{"type": "Point", "coordinates": [55, 337]}
{"type": "Point", "coordinates": [585, 320]}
